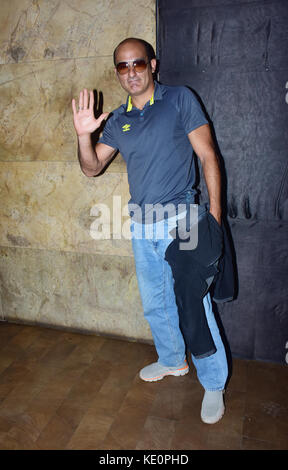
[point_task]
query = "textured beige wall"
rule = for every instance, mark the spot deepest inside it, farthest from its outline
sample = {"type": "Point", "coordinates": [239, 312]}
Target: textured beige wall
{"type": "Point", "coordinates": [52, 271]}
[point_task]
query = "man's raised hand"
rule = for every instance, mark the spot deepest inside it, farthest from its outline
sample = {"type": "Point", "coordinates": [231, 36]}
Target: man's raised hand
{"type": "Point", "coordinates": [84, 119]}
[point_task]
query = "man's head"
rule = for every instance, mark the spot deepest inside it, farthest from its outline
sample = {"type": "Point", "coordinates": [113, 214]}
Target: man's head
{"type": "Point", "coordinates": [135, 63]}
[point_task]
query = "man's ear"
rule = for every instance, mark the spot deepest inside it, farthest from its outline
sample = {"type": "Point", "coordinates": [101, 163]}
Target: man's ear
{"type": "Point", "coordinates": [153, 63]}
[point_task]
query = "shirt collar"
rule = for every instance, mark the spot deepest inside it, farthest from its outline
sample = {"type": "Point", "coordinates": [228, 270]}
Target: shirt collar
{"type": "Point", "coordinates": [157, 95]}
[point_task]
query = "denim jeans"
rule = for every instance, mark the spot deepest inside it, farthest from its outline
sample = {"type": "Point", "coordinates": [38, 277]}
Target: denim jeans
{"type": "Point", "coordinates": [155, 282]}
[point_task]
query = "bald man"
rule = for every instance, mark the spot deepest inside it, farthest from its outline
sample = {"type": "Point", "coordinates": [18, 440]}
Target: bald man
{"type": "Point", "coordinates": [157, 131]}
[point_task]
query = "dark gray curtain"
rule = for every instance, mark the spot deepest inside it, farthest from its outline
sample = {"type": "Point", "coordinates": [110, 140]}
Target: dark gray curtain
{"type": "Point", "coordinates": [234, 56]}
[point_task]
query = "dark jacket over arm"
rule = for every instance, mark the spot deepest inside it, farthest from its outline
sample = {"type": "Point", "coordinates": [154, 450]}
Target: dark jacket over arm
{"type": "Point", "coordinates": [194, 271]}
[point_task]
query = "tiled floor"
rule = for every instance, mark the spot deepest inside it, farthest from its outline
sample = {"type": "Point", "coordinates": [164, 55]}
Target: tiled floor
{"type": "Point", "coordinates": [62, 390]}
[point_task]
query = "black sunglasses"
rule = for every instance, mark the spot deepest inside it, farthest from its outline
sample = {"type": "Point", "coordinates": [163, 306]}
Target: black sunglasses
{"type": "Point", "coordinates": [139, 65]}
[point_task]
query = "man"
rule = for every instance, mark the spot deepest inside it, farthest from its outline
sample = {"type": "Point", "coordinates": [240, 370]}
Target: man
{"type": "Point", "coordinates": [156, 131]}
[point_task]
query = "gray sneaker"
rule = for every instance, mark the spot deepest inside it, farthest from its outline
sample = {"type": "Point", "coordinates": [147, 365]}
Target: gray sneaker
{"type": "Point", "coordinates": [213, 407]}
{"type": "Point", "coordinates": [156, 371]}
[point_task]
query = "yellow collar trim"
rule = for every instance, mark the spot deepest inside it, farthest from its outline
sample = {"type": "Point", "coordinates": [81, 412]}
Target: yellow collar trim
{"type": "Point", "coordinates": [130, 106]}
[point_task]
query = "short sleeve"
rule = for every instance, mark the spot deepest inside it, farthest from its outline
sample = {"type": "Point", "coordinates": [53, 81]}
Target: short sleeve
{"type": "Point", "coordinates": [191, 113]}
{"type": "Point", "coordinates": [107, 135]}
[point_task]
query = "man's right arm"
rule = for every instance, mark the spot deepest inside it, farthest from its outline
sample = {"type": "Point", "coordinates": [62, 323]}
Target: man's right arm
{"type": "Point", "coordinates": [91, 160]}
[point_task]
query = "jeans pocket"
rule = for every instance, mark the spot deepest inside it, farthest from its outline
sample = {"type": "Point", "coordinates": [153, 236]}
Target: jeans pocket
{"type": "Point", "coordinates": [217, 225]}
{"type": "Point", "coordinates": [202, 211]}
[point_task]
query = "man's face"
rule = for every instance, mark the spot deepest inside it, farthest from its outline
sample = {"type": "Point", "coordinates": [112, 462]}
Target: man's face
{"type": "Point", "coordinates": [135, 83]}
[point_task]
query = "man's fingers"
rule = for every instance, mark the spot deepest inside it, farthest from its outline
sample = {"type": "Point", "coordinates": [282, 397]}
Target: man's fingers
{"type": "Point", "coordinates": [81, 100]}
{"type": "Point", "coordinates": [85, 99]}
{"type": "Point", "coordinates": [91, 101]}
{"type": "Point", "coordinates": [87, 104]}
{"type": "Point", "coordinates": [102, 117]}
{"type": "Point", "coordinates": [74, 106]}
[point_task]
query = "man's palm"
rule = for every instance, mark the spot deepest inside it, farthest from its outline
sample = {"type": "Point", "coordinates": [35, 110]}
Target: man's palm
{"type": "Point", "coordinates": [84, 119]}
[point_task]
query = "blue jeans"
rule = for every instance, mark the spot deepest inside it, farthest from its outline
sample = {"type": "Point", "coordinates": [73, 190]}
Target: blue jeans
{"type": "Point", "coordinates": [155, 282]}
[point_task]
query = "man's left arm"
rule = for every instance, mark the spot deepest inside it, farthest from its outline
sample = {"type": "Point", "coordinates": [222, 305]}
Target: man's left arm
{"type": "Point", "coordinates": [203, 145]}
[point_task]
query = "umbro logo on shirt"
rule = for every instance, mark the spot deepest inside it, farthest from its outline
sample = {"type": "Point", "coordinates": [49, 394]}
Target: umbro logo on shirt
{"type": "Point", "coordinates": [126, 127]}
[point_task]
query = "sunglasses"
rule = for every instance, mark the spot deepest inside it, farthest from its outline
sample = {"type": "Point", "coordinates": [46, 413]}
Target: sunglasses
{"type": "Point", "coordinates": [139, 65]}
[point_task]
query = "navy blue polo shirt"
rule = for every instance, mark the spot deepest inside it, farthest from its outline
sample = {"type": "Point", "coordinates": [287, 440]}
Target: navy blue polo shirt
{"type": "Point", "coordinates": [155, 145]}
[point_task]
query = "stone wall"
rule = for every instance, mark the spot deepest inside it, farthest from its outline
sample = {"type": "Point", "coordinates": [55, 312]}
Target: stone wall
{"type": "Point", "coordinates": [52, 271]}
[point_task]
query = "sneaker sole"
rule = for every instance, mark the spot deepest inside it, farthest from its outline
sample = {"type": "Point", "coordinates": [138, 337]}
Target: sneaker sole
{"type": "Point", "coordinates": [213, 420]}
{"type": "Point", "coordinates": [176, 373]}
